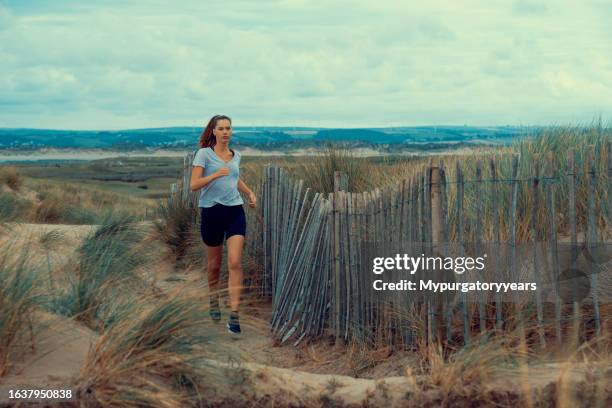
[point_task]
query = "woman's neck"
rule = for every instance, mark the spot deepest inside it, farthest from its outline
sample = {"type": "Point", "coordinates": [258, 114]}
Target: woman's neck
{"type": "Point", "coordinates": [221, 147]}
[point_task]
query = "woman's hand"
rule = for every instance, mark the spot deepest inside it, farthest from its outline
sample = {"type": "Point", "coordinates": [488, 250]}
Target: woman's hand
{"type": "Point", "coordinates": [252, 200]}
{"type": "Point", "coordinates": [223, 171]}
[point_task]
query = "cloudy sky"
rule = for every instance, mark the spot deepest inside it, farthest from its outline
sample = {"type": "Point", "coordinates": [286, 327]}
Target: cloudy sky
{"type": "Point", "coordinates": [341, 63]}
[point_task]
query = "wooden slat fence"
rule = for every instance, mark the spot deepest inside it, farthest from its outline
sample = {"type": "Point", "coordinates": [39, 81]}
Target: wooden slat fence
{"type": "Point", "coordinates": [316, 246]}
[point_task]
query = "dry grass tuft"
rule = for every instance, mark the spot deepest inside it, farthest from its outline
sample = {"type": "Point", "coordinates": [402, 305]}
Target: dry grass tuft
{"type": "Point", "coordinates": [148, 357]}
{"type": "Point", "coordinates": [318, 172]}
{"type": "Point", "coordinates": [10, 177]}
{"type": "Point", "coordinates": [175, 226]}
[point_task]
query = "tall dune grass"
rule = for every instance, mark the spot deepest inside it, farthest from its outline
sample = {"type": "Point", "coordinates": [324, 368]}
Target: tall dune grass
{"type": "Point", "coordinates": [318, 171]}
{"type": "Point", "coordinates": [175, 226]}
{"type": "Point", "coordinates": [19, 297]}
{"type": "Point", "coordinates": [148, 357]}
{"type": "Point", "coordinates": [497, 371]}
{"type": "Point", "coordinates": [556, 141]}
{"type": "Point", "coordinates": [318, 174]}
{"type": "Point", "coordinates": [108, 258]}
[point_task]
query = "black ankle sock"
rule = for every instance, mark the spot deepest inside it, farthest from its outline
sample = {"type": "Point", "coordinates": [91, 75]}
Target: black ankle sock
{"type": "Point", "coordinates": [214, 301]}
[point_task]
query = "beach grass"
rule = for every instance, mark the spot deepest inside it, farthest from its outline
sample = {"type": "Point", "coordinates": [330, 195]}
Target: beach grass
{"type": "Point", "coordinates": [20, 295]}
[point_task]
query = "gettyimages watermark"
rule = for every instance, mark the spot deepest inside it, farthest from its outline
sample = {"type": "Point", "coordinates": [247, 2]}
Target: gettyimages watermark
{"type": "Point", "coordinates": [475, 272]}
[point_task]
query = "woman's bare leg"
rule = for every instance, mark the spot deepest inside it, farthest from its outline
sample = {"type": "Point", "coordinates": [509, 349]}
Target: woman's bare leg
{"type": "Point", "coordinates": [214, 255]}
{"type": "Point", "coordinates": [234, 265]}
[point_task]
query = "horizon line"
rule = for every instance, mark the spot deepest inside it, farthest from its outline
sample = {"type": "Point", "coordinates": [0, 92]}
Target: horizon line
{"type": "Point", "coordinates": [576, 124]}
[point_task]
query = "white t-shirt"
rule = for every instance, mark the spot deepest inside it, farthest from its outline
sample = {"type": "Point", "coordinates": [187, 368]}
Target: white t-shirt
{"type": "Point", "coordinates": [222, 190]}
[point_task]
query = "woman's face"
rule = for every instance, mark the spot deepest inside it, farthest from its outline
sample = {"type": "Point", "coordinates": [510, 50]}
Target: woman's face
{"type": "Point", "coordinates": [223, 130]}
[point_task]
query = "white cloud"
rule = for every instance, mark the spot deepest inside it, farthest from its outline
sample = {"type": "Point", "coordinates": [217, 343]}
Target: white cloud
{"type": "Point", "coordinates": [341, 63]}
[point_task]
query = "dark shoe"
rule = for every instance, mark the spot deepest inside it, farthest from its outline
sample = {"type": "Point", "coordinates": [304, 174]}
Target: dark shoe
{"type": "Point", "coordinates": [233, 324]}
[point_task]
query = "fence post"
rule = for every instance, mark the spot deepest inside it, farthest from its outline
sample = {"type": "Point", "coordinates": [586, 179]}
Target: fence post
{"type": "Point", "coordinates": [336, 257]}
{"type": "Point", "coordinates": [591, 236]}
{"type": "Point", "coordinates": [482, 316]}
{"type": "Point", "coordinates": [499, 320]}
{"type": "Point", "coordinates": [571, 176]}
{"type": "Point", "coordinates": [550, 193]}
{"type": "Point", "coordinates": [513, 240]}
{"type": "Point", "coordinates": [266, 204]}
{"type": "Point", "coordinates": [448, 307]}
{"type": "Point", "coordinates": [438, 232]}
{"type": "Point", "coordinates": [609, 213]}
{"type": "Point", "coordinates": [426, 221]}
{"type": "Point", "coordinates": [460, 242]}
{"type": "Point", "coordinates": [536, 260]}
{"type": "Point", "coordinates": [173, 190]}
{"type": "Point", "coordinates": [436, 207]}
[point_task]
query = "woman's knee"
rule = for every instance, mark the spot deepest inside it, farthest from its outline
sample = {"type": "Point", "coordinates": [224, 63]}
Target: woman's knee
{"type": "Point", "coordinates": [234, 264]}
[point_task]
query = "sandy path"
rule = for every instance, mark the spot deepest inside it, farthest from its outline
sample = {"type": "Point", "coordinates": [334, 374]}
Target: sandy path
{"type": "Point", "coordinates": [60, 347]}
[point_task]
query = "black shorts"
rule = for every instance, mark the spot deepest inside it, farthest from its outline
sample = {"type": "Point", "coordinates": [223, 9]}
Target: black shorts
{"type": "Point", "coordinates": [221, 220]}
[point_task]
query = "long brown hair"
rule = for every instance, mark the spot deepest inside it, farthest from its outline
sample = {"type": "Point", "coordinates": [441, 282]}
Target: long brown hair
{"type": "Point", "coordinates": [208, 139]}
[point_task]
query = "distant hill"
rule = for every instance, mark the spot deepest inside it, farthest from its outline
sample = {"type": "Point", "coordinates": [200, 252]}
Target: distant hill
{"type": "Point", "coordinates": [257, 137]}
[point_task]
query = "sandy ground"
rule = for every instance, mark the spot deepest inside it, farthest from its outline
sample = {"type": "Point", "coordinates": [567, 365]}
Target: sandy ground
{"type": "Point", "coordinates": [59, 349]}
{"type": "Point", "coordinates": [294, 388]}
{"type": "Point", "coordinates": [51, 254]}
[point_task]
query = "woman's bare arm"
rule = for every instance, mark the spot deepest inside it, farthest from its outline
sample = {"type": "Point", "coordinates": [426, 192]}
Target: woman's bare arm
{"type": "Point", "coordinates": [243, 188]}
{"type": "Point", "coordinates": [197, 181]}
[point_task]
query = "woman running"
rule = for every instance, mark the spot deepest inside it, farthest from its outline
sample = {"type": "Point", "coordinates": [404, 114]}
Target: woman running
{"type": "Point", "coordinates": [216, 171]}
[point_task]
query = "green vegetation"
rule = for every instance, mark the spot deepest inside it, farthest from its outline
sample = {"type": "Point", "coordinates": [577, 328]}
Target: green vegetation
{"type": "Point", "coordinates": [60, 202]}
{"type": "Point", "coordinates": [13, 208]}
{"type": "Point", "coordinates": [125, 176]}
